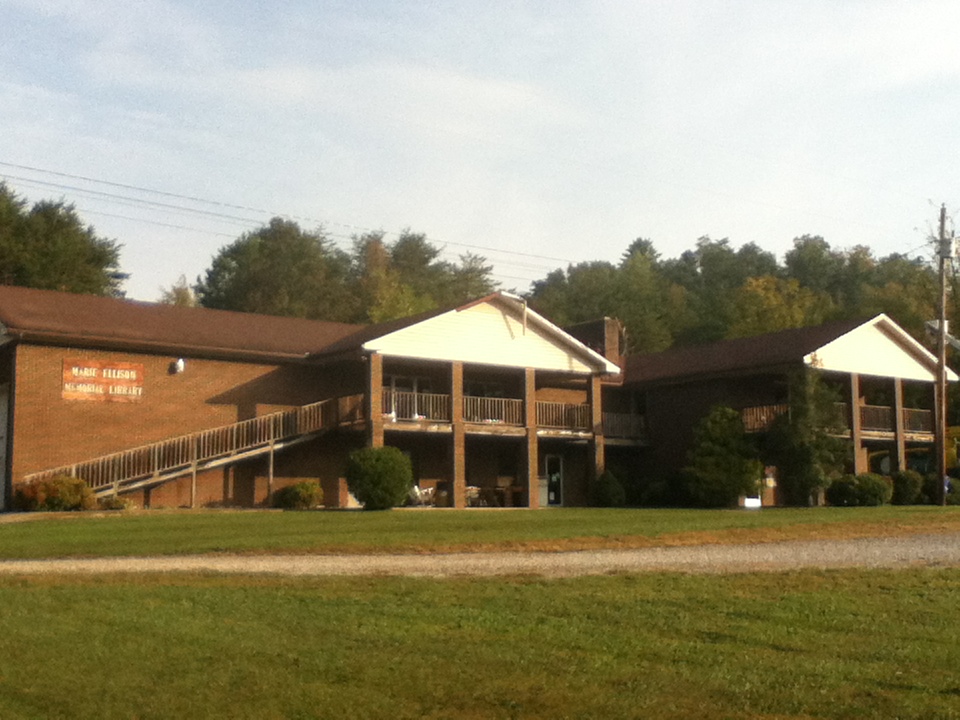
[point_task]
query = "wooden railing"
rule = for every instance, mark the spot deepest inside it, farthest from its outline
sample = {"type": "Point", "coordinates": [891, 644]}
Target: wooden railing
{"type": "Point", "coordinates": [508, 411]}
{"type": "Point", "coordinates": [761, 417]}
{"type": "Point", "coordinates": [565, 416]}
{"type": "Point", "coordinates": [880, 418]}
{"type": "Point", "coordinates": [623, 425]}
{"type": "Point", "coordinates": [187, 452]}
{"type": "Point", "coordinates": [917, 420]}
{"type": "Point", "coordinates": [876, 417]}
{"type": "Point", "coordinates": [406, 405]}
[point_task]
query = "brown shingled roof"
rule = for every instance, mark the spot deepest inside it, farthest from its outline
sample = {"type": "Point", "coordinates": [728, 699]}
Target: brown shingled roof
{"type": "Point", "coordinates": [771, 350]}
{"type": "Point", "coordinates": [93, 321]}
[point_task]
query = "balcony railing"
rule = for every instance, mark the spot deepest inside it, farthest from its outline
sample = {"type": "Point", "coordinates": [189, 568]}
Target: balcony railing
{"type": "Point", "coordinates": [433, 407]}
{"type": "Point", "coordinates": [917, 420]}
{"type": "Point", "coordinates": [564, 416]}
{"type": "Point", "coordinates": [507, 411]}
{"type": "Point", "coordinates": [623, 425]}
{"type": "Point", "coordinates": [873, 418]}
{"type": "Point", "coordinates": [876, 418]}
{"type": "Point", "coordinates": [761, 417]}
{"type": "Point", "coordinates": [405, 405]}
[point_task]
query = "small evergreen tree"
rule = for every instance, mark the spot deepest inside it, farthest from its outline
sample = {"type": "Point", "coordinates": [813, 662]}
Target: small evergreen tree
{"type": "Point", "coordinates": [906, 487]}
{"type": "Point", "coordinates": [379, 478]}
{"type": "Point", "coordinates": [804, 444]}
{"type": "Point", "coordinates": [609, 491]}
{"type": "Point", "coordinates": [723, 464]}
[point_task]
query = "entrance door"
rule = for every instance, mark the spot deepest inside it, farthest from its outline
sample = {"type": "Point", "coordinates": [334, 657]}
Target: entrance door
{"type": "Point", "coordinates": [554, 467]}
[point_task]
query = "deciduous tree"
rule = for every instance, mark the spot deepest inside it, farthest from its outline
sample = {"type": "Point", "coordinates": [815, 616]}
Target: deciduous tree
{"type": "Point", "coordinates": [280, 269]}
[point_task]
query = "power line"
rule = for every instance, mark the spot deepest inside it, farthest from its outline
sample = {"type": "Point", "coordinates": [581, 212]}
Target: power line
{"type": "Point", "coordinates": [216, 203]}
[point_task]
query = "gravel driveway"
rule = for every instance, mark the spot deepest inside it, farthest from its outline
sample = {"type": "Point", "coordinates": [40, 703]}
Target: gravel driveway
{"type": "Point", "coordinates": [940, 550]}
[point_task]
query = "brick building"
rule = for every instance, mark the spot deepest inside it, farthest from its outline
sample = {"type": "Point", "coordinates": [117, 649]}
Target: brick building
{"type": "Point", "coordinates": [175, 406]}
{"type": "Point", "coordinates": [494, 405]}
{"type": "Point", "coordinates": [883, 379]}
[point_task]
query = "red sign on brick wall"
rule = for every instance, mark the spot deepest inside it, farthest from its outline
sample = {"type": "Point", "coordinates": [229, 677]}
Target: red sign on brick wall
{"type": "Point", "coordinates": [102, 381]}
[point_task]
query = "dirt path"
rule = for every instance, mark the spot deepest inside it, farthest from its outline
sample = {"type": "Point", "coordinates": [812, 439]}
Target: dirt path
{"type": "Point", "coordinates": [940, 550]}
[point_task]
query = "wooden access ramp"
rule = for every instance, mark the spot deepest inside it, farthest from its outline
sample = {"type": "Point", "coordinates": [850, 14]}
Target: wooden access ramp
{"type": "Point", "coordinates": [154, 464]}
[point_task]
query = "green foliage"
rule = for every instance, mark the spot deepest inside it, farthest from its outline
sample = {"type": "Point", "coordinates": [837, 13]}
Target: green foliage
{"type": "Point", "coordinates": [379, 478]}
{"type": "Point", "coordinates": [803, 443]}
{"type": "Point", "coordinates": [873, 490]}
{"type": "Point", "coordinates": [59, 493]}
{"type": "Point", "coordinates": [864, 490]}
{"type": "Point", "coordinates": [842, 492]}
{"type": "Point", "coordinates": [305, 495]}
{"type": "Point", "coordinates": [279, 269]}
{"type": "Point", "coordinates": [722, 464]}
{"type": "Point", "coordinates": [767, 304]}
{"type": "Point", "coordinates": [48, 247]}
{"type": "Point", "coordinates": [929, 495]}
{"type": "Point", "coordinates": [907, 485]}
{"type": "Point", "coordinates": [716, 291]}
{"type": "Point", "coordinates": [179, 294]}
{"type": "Point", "coordinates": [636, 292]}
{"type": "Point", "coordinates": [114, 502]}
{"type": "Point", "coordinates": [608, 491]}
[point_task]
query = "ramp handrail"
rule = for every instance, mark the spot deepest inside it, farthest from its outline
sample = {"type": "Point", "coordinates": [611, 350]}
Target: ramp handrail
{"type": "Point", "coordinates": [188, 451]}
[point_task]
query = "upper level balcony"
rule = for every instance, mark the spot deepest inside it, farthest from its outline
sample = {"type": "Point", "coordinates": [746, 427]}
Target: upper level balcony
{"type": "Point", "coordinates": [405, 407]}
{"type": "Point", "coordinates": [878, 420]}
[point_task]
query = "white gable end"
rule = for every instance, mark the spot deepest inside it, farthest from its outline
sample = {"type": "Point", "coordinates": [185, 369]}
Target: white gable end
{"type": "Point", "coordinates": [489, 335]}
{"type": "Point", "coordinates": [870, 350]}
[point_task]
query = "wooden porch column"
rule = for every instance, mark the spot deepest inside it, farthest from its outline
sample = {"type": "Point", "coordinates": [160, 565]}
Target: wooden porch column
{"type": "Point", "coordinates": [458, 480]}
{"type": "Point", "coordinates": [533, 452]}
{"type": "Point", "coordinates": [899, 429]}
{"type": "Point", "coordinates": [375, 400]}
{"type": "Point", "coordinates": [860, 460]}
{"type": "Point", "coordinates": [596, 427]}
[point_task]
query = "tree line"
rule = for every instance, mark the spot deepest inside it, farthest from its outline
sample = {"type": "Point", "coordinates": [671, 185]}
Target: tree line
{"type": "Point", "coordinates": [710, 292]}
{"type": "Point", "coordinates": [714, 291]}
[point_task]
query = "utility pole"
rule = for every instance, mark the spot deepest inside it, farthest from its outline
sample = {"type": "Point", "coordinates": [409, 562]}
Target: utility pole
{"type": "Point", "coordinates": [945, 252]}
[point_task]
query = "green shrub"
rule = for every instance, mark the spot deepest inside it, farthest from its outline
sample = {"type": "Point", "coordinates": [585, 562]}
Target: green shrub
{"type": "Point", "coordinates": [379, 478]}
{"type": "Point", "coordinates": [873, 490]}
{"type": "Point", "coordinates": [842, 492]}
{"type": "Point", "coordinates": [929, 495]}
{"type": "Point", "coordinates": [114, 502]}
{"type": "Point", "coordinates": [61, 492]}
{"type": "Point", "coordinates": [865, 490]}
{"type": "Point", "coordinates": [304, 495]}
{"type": "Point", "coordinates": [722, 463]}
{"type": "Point", "coordinates": [609, 492]}
{"type": "Point", "coordinates": [907, 485]}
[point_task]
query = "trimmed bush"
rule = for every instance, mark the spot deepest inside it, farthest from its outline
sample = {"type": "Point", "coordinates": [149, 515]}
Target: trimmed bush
{"type": "Point", "coordinates": [115, 502]}
{"type": "Point", "coordinates": [609, 492]}
{"type": "Point", "coordinates": [304, 495]}
{"type": "Point", "coordinates": [929, 494]}
{"type": "Point", "coordinates": [865, 490]}
{"type": "Point", "coordinates": [906, 488]}
{"type": "Point", "coordinates": [59, 493]}
{"type": "Point", "coordinates": [873, 490]}
{"type": "Point", "coordinates": [379, 478]}
{"type": "Point", "coordinates": [842, 492]}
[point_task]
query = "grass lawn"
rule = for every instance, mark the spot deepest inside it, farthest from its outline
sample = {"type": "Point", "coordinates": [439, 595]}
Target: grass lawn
{"type": "Point", "coordinates": [165, 533]}
{"type": "Point", "coordinates": [823, 644]}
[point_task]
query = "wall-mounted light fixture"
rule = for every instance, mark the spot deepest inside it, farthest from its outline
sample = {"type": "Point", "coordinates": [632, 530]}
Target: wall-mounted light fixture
{"type": "Point", "coordinates": [177, 366]}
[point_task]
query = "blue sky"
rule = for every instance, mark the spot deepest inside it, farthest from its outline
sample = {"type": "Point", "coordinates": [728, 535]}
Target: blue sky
{"type": "Point", "coordinates": [533, 133]}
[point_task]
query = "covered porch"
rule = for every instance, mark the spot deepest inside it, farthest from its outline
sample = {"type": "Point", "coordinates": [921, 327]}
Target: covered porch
{"type": "Point", "coordinates": [475, 433]}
